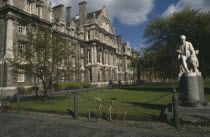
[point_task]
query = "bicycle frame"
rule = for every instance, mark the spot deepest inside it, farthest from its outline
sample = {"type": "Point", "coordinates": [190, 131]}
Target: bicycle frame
{"type": "Point", "coordinates": [99, 103]}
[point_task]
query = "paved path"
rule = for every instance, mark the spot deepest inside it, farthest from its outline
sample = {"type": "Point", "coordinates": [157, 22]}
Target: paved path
{"type": "Point", "coordinates": [30, 125]}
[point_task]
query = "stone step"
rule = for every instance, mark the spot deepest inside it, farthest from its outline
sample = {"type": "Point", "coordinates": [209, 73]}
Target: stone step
{"type": "Point", "coordinates": [194, 110]}
{"type": "Point", "coordinates": [186, 117]}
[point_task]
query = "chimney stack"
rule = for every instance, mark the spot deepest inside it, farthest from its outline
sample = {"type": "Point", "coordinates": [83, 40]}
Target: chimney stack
{"type": "Point", "coordinates": [83, 10]}
{"type": "Point", "coordinates": [119, 40]}
{"type": "Point", "coordinates": [68, 15]}
{"type": "Point", "coordinates": [59, 12]}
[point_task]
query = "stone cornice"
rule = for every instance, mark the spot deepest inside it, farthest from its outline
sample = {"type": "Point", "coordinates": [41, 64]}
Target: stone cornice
{"type": "Point", "coordinates": [8, 8]}
{"type": "Point", "coordinates": [10, 17]}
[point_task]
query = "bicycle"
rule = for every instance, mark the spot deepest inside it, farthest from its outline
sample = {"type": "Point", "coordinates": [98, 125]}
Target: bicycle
{"type": "Point", "coordinates": [5, 104]}
{"type": "Point", "coordinates": [117, 113]}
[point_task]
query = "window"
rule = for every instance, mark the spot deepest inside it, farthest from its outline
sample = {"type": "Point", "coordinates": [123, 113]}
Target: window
{"type": "Point", "coordinates": [88, 35]}
{"type": "Point", "coordinates": [82, 63]}
{"type": "Point", "coordinates": [89, 56]}
{"type": "Point", "coordinates": [39, 11]}
{"type": "Point", "coordinates": [107, 74]}
{"type": "Point", "coordinates": [21, 76]}
{"type": "Point", "coordinates": [100, 56]}
{"type": "Point", "coordinates": [101, 74]}
{"type": "Point", "coordinates": [106, 58]}
{"type": "Point", "coordinates": [73, 62]}
{"type": "Point", "coordinates": [81, 50]}
{"type": "Point", "coordinates": [22, 29]}
{"type": "Point", "coordinates": [62, 77]}
{"type": "Point", "coordinates": [51, 17]}
{"type": "Point", "coordinates": [28, 8]}
{"type": "Point", "coordinates": [21, 49]}
{"type": "Point", "coordinates": [82, 76]}
{"type": "Point", "coordinates": [62, 27]}
{"type": "Point", "coordinates": [74, 77]}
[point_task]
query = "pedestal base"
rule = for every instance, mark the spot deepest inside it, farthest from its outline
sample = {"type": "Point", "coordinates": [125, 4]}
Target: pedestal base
{"type": "Point", "coordinates": [188, 113]}
{"type": "Point", "coordinates": [191, 90]}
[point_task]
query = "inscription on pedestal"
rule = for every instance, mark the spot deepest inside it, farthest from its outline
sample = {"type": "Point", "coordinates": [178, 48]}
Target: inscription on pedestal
{"type": "Point", "coordinates": [189, 87]}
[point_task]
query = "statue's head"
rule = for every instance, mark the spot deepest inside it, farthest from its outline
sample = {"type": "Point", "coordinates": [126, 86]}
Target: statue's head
{"type": "Point", "coordinates": [183, 37]}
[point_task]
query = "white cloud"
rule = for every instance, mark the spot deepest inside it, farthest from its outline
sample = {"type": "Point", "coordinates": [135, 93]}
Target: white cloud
{"type": "Point", "coordinates": [204, 5]}
{"type": "Point", "coordinates": [130, 12]}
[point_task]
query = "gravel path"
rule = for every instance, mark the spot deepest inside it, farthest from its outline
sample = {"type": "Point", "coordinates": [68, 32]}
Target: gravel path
{"type": "Point", "coordinates": [30, 124]}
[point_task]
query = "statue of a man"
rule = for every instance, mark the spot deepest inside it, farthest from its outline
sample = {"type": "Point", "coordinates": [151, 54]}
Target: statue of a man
{"type": "Point", "coordinates": [187, 57]}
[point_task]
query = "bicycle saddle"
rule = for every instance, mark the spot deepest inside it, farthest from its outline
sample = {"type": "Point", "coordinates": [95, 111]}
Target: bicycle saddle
{"type": "Point", "coordinates": [113, 98]}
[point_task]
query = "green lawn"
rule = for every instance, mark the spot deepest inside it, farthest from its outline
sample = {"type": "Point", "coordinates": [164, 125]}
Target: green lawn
{"type": "Point", "coordinates": [139, 101]}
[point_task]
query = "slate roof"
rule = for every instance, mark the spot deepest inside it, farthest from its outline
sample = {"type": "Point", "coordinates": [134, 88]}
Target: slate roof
{"type": "Point", "coordinates": [90, 15]}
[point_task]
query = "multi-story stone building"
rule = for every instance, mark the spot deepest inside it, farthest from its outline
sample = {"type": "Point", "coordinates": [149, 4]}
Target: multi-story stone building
{"type": "Point", "coordinates": [101, 56]}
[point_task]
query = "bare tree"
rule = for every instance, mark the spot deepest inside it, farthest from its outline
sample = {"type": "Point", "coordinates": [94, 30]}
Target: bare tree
{"type": "Point", "coordinates": [46, 55]}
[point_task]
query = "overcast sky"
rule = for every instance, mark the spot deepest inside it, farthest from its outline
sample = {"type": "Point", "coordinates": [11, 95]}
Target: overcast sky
{"type": "Point", "coordinates": [129, 17]}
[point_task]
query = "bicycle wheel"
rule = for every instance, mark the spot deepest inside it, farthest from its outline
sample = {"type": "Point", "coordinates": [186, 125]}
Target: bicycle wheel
{"type": "Point", "coordinates": [94, 114]}
{"type": "Point", "coordinates": [117, 113]}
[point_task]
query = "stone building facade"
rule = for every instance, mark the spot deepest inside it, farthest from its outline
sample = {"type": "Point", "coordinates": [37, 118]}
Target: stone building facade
{"type": "Point", "coordinates": [100, 54]}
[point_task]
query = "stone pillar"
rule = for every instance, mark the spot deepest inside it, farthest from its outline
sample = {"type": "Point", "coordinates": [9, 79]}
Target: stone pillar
{"type": "Point", "coordinates": [83, 10]}
{"type": "Point", "coordinates": [95, 54]}
{"type": "Point", "coordinates": [9, 38]}
{"type": "Point", "coordinates": [59, 12]}
{"type": "Point", "coordinates": [68, 15]}
{"type": "Point", "coordinates": [92, 53]}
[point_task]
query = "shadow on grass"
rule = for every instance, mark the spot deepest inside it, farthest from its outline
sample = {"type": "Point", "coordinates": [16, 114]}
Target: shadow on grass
{"type": "Point", "coordinates": [40, 99]}
{"type": "Point", "coordinates": [150, 89]}
{"type": "Point", "coordinates": [149, 106]}
{"type": "Point", "coordinates": [207, 91]}
{"type": "Point", "coordinates": [159, 107]}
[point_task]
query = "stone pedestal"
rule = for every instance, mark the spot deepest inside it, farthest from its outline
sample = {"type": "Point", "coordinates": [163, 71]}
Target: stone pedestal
{"type": "Point", "coordinates": [191, 90]}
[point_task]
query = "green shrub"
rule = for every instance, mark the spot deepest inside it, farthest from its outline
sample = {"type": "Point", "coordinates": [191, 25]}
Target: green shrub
{"type": "Point", "coordinates": [70, 86]}
{"type": "Point", "coordinates": [22, 90]}
{"type": "Point", "coordinates": [56, 87]}
{"type": "Point", "coordinates": [33, 89]}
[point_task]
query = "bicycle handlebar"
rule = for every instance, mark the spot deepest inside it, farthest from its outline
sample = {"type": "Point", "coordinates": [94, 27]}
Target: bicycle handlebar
{"type": "Point", "coordinates": [99, 99]}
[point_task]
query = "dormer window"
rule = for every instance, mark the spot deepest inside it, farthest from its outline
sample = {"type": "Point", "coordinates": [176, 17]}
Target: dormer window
{"type": "Point", "coordinates": [88, 35]}
{"type": "Point", "coordinates": [62, 27]}
{"type": "Point", "coordinates": [39, 11]}
{"type": "Point", "coordinates": [51, 17]}
{"type": "Point", "coordinates": [28, 8]}
{"type": "Point", "coordinates": [89, 56]}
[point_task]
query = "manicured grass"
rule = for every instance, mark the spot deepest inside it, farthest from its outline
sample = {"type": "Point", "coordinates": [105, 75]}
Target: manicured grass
{"type": "Point", "coordinates": [139, 101]}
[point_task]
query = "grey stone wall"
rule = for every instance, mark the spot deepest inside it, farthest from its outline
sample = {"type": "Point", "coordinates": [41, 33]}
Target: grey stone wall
{"type": "Point", "coordinates": [99, 37]}
{"type": "Point", "coordinates": [46, 13]}
{"type": "Point", "coordinates": [1, 3]}
{"type": "Point", "coordinates": [20, 4]}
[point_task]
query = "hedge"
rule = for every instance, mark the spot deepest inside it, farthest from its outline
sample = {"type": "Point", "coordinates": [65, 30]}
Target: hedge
{"type": "Point", "coordinates": [69, 86]}
{"type": "Point", "coordinates": [26, 91]}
